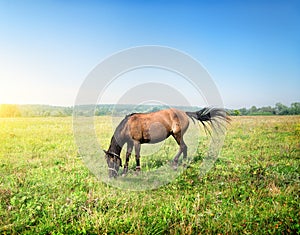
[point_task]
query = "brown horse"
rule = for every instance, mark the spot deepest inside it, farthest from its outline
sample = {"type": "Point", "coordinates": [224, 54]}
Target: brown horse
{"type": "Point", "coordinates": [139, 128]}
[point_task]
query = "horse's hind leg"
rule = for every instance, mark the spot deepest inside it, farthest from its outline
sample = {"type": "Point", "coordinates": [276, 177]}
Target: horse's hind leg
{"type": "Point", "coordinates": [128, 154]}
{"type": "Point", "coordinates": [182, 148]}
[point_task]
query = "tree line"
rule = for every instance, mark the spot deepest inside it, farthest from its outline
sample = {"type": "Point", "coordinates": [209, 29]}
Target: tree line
{"type": "Point", "coordinates": [12, 110]}
{"type": "Point", "coordinates": [278, 109]}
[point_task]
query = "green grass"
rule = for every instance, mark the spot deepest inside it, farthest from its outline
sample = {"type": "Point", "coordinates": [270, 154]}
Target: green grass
{"type": "Point", "coordinates": [253, 187]}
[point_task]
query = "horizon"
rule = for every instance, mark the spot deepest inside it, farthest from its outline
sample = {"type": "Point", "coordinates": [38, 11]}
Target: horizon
{"type": "Point", "coordinates": [250, 49]}
{"type": "Point", "coordinates": [106, 104]}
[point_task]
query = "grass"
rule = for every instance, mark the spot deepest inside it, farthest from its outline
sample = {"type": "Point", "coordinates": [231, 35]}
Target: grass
{"type": "Point", "coordinates": [253, 188]}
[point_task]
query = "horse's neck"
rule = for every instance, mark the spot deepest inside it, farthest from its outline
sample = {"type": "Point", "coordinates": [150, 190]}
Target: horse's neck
{"type": "Point", "coordinates": [115, 145]}
{"type": "Point", "coordinates": [118, 140]}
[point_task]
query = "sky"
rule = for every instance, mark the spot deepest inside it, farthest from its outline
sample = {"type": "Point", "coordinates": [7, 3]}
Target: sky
{"type": "Point", "coordinates": [251, 49]}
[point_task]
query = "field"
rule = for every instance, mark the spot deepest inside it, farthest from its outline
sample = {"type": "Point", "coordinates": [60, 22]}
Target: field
{"type": "Point", "coordinates": [253, 188]}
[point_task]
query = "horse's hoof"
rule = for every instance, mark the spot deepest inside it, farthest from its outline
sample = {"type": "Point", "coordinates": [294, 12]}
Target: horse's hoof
{"type": "Point", "coordinates": [137, 171]}
{"type": "Point", "coordinates": [175, 166]}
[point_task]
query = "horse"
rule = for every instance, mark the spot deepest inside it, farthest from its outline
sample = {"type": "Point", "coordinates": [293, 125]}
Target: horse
{"type": "Point", "coordinates": [140, 128]}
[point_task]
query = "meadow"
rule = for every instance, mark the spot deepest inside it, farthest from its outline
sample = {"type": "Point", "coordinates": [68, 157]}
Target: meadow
{"type": "Point", "coordinates": [253, 187]}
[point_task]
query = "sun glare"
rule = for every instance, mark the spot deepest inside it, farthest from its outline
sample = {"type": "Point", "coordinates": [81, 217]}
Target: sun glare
{"type": "Point", "coordinates": [9, 110]}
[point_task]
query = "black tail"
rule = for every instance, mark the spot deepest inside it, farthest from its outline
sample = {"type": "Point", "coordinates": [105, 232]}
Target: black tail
{"type": "Point", "coordinates": [214, 117]}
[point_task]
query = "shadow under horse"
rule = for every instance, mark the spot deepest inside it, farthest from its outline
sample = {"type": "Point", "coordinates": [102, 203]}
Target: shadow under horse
{"type": "Point", "coordinates": [139, 128]}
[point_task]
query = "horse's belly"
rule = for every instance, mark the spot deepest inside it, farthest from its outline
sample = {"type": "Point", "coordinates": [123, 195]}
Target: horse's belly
{"type": "Point", "coordinates": [157, 132]}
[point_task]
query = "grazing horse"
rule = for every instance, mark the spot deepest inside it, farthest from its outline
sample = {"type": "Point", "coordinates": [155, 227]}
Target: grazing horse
{"type": "Point", "coordinates": [139, 128]}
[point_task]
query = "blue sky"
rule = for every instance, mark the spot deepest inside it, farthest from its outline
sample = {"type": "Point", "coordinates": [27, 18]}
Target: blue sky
{"type": "Point", "coordinates": [250, 48]}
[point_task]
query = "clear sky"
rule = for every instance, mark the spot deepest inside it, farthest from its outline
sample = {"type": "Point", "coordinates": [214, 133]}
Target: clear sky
{"type": "Point", "coordinates": [250, 48]}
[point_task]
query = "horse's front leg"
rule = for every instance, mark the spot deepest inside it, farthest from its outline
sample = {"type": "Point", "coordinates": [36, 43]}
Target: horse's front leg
{"type": "Point", "coordinates": [137, 149]}
{"type": "Point", "coordinates": [128, 154]}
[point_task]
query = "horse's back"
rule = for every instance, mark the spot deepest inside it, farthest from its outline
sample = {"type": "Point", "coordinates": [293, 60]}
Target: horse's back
{"type": "Point", "coordinates": [170, 115]}
{"type": "Point", "coordinates": [172, 120]}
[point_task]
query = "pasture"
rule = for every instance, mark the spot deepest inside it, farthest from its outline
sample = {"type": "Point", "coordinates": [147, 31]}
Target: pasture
{"type": "Point", "coordinates": [253, 188]}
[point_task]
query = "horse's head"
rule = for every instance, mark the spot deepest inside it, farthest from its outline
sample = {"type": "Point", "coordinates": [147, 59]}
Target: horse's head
{"type": "Point", "coordinates": [114, 162]}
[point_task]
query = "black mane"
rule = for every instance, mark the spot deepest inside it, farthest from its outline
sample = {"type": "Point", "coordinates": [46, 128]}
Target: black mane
{"type": "Point", "coordinates": [117, 141]}
{"type": "Point", "coordinates": [129, 115]}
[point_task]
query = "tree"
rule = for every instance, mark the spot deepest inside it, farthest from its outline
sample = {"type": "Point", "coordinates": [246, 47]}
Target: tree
{"type": "Point", "coordinates": [267, 110]}
{"type": "Point", "coordinates": [253, 109]}
{"type": "Point", "coordinates": [281, 109]}
{"type": "Point", "coordinates": [236, 113]}
{"type": "Point", "coordinates": [295, 108]}
{"type": "Point", "coordinates": [243, 111]}
{"type": "Point", "coordinates": [9, 110]}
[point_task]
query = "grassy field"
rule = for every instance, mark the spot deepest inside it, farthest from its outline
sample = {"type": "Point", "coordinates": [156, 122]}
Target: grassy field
{"type": "Point", "coordinates": [253, 188]}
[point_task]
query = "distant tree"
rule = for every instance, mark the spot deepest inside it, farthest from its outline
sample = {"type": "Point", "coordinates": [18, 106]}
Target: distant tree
{"type": "Point", "coordinates": [243, 111]}
{"type": "Point", "coordinates": [102, 111]}
{"type": "Point", "coordinates": [46, 114]}
{"type": "Point", "coordinates": [9, 110]}
{"type": "Point", "coordinates": [253, 110]}
{"type": "Point", "coordinates": [267, 110]}
{"type": "Point", "coordinates": [61, 114]}
{"type": "Point", "coordinates": [295, 108]}
{"type": "Point", "coordinates": [236, 113]}
{"type": "Point", "coordinates": [154, 109]}
{"type": "Point", "coordinates": [281, 109]}
{"type": "Point", "coordinates": [97, 112]}
{"type": "Point", "coordinates": [68, 111]}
